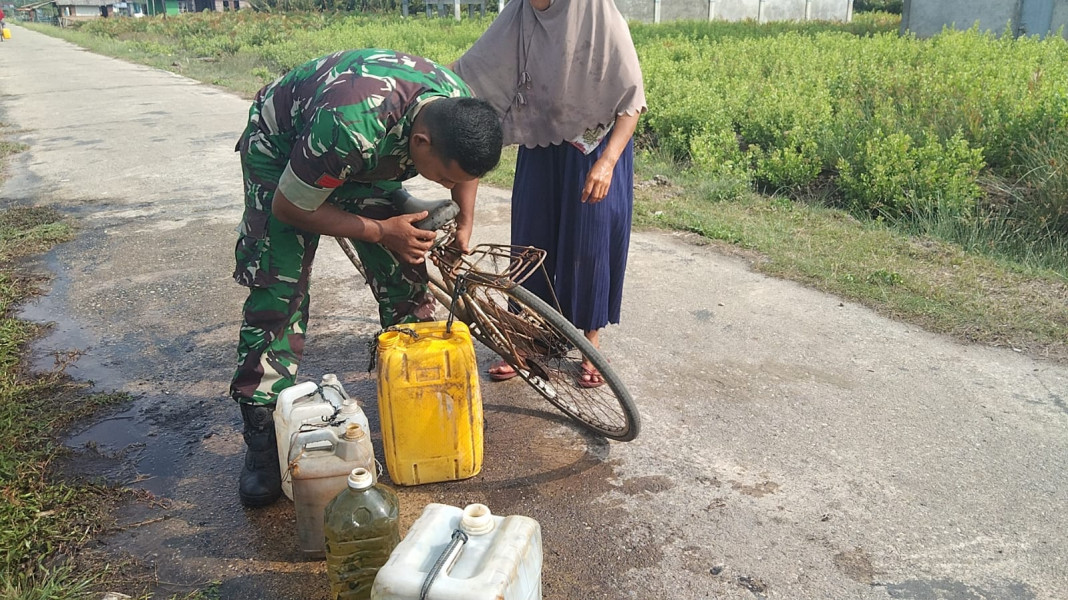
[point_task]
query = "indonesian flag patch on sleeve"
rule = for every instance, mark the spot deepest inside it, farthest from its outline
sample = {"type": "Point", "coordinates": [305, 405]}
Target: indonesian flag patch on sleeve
{"type": "Point", "coordinates": [326, 181]}
{"type": "Point", "coordinates": [330, 182]}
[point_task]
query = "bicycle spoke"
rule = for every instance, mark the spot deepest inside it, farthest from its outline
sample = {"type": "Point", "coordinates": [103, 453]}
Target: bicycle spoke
{"type": "Point", "coordinates": [552, 364]}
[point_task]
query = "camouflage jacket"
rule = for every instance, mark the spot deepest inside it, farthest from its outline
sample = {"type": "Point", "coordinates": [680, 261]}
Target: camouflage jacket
{"type": "Point", "coordinates": [343, 118]}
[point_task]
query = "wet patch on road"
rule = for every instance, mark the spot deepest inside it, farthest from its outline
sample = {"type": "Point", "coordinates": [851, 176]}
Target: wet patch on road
{"type": "Point", "coordinates": [642, 485]}
{"type": "Point", "coordinates": [184, 450]}
{"type": "Point", "coordinates": [947, 589]}
{"type": "Point", "coordinates": [703, 315]}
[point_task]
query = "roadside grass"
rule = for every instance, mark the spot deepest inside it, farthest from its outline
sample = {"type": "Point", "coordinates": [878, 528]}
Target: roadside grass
{"type": "Point", "coordinates": [41, 518]}
{"type": "Point", "coordinates": [914, 278]}
{"type": "Point", "coordinates": [504, 174]}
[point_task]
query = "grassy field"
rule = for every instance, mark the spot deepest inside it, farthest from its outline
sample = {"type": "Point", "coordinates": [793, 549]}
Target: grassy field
{"type": "Point", "coordinates": [845, 178]}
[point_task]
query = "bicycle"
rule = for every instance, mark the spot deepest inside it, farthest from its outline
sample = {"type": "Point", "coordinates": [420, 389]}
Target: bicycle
{"type": "Point", "coordinates": [482, 289]}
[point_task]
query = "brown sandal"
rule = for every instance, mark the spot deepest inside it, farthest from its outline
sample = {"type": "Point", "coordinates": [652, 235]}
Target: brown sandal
{"type": "Point", "coordinates": [589, 378]}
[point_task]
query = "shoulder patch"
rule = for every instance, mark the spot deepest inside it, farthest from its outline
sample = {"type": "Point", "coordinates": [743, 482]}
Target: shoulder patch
{"type": "Point", "coordinates": [326, 181]}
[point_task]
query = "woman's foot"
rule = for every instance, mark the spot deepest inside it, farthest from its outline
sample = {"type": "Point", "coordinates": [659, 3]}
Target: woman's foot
{"type": "Point", "coordinates": [501, 371]}
{"type": "Point", "coordinates": [590, 377]}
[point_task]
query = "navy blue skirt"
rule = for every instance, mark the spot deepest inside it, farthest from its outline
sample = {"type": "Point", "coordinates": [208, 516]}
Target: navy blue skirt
{"type": "Point", "coordinates": [586, 243]}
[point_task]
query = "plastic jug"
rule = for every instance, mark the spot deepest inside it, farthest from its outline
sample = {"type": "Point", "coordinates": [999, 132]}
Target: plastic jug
{"type": "Point", "coordinates": [361, 530]}
{"type": "Point", "coordinates": [430, 403]}
{"type": "Point", "coordinates": [481, 557]}
{"type": "Point", "coordinates": [320, 463]}
{"type": "Point", "coordinates": [310, 404]}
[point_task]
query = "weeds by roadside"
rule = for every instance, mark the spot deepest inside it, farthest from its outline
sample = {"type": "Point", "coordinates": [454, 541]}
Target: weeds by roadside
{"type": "Point", "coordinates": [43, 519]}
{"type": "Point", "coordinates": [40, 518]}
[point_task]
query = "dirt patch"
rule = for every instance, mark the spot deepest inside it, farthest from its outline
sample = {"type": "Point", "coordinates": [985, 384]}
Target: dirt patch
{"type": "Point", "coordinates": [856, 565]}
{"type": "Point", "coordinates": [758, 490]}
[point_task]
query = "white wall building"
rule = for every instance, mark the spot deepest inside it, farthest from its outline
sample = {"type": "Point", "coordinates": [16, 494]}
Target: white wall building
{"type": "Point", "coordinates": [762, 11]}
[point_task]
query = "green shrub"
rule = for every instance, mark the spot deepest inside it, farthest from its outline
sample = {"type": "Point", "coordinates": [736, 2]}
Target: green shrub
{"type": "Point", "coordinates": [892, 176]}
{"type": "Point", "coordinates": [896, 123]}
{"type": "Point", "coordinates": [787, 168]}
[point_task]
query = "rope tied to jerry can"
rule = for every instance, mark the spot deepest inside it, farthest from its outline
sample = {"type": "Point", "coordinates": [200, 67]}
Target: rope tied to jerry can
{"type": "Point", "coordinates": [372, 344]}
{"type": "Point", "coordinates": [459, 288]}
{"type": "Point", "coordinates": [444, 561]}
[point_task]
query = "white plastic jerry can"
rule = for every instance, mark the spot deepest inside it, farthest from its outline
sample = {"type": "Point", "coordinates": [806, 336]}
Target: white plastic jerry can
{"type": "Point", "coordinates": [320, 463]}
{"type": "Point", "coordinates": [312, 404]}
{"type": "Point", "coordinates": [467, 554]}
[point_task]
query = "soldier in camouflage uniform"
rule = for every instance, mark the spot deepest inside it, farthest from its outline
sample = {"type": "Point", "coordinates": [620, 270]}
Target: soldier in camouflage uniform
{"type": "Point", "coordinates": [324, 145]}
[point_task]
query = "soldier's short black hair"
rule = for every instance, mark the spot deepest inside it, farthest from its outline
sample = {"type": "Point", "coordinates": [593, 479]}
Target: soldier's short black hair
{"type": "Point", "coordinates": [465, 130]}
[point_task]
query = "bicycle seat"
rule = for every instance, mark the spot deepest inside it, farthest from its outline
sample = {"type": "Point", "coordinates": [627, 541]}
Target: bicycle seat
{"type": "Point", "coordinates": [441, 211]}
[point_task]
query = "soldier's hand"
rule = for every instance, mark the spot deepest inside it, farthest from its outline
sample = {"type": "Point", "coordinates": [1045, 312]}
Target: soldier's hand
{"type": "Point", "coordinates": [462, 240]}
{"type": "Point", "coordinates": [403, 239]}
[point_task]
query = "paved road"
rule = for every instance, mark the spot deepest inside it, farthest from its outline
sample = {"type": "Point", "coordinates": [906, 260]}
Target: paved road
{"type": "Point", "coordinates": [795, 446]}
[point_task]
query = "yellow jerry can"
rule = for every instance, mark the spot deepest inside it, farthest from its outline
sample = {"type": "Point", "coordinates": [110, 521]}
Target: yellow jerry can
{"type": "Point", "coordinates": [429, 403]}
{"type": "Point", "coordinates": [7, 33]}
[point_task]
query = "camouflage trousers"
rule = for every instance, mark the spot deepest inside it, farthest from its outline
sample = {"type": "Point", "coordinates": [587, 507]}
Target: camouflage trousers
{"type": "Point", "coordinates": [274, 261]}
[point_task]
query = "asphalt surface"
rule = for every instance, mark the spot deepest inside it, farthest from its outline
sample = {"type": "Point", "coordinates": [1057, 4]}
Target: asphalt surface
{"type": "Point", "coordinates": [794, 445]}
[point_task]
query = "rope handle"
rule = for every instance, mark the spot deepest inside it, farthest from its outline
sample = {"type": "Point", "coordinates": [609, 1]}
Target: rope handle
{"type": "Point", "coordinates": [444, 561]}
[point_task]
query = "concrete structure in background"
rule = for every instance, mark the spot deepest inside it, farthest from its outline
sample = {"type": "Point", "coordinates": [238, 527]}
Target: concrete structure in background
{"type": "Point", "coordinates": [925, 18]}
{"type": "Point", "coordinates": [763, 11]}
{"type": "Point", "coordinates": [655, 11]}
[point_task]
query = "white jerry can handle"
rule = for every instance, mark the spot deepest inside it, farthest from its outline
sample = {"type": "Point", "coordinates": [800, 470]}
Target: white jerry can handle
{"type": "Point", "coordinates": [445, 561]}
{"type": "Point", "coordinates": [286, 398]}
{"type": "Point", "coordinates": [303, 439]}
{"type": "Point", "coordinates": [476, 520]}
{"type": "Point", "coordinates": [299, 442]}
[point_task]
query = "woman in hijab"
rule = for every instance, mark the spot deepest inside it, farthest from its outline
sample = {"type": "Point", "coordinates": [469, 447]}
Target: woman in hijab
{"type": "Point", "coordinates": [564, 76]}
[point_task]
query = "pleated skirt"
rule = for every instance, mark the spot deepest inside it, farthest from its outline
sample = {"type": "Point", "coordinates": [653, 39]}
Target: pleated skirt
{"type": "Point", "coordinates": [586, 243]}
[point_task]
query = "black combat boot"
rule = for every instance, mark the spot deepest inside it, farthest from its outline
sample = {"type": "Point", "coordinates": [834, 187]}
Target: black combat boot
{"type": "Point", "coordinates": [261, 481]}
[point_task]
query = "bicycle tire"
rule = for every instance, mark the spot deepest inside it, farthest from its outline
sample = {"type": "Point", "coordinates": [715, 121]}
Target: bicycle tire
{"type": "Point", "coordinates": [551, 353]}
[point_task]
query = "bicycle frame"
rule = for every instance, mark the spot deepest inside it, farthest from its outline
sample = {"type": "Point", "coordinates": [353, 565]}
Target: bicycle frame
{"type": "Point", "coordinates": [482, 289]}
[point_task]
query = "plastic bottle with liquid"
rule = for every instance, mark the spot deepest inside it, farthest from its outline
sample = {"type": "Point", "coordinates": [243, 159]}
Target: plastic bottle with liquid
{"type": "Point", "coordinates": [362, 526]}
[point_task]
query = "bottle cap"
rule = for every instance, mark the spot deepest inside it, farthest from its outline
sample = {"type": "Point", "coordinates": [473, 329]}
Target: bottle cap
{"type": "Point", "coordinates": [349, 406]}
{"type": "Point", "coordinates": [329, 378]}
{"type": "Point", "coordinates": [361, 479]}
{"type": "Point", "coordinates": [477, 520]}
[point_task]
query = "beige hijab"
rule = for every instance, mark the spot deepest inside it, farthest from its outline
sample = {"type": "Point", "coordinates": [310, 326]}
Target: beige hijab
{"type": "Point", "coordinates": [556, 73]}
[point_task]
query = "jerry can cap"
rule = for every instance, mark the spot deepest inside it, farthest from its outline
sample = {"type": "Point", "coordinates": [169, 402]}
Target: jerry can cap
{"type": "Point", "coordinates": [361, 479]}
{"type": "Point", "coordinates": [353, 432]}
{"type": "Point", "coordinates": [477, 520]}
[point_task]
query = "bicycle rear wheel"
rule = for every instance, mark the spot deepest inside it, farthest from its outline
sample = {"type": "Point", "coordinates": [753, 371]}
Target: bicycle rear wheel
{"type": "Point", "coordinates": [549, 352]}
